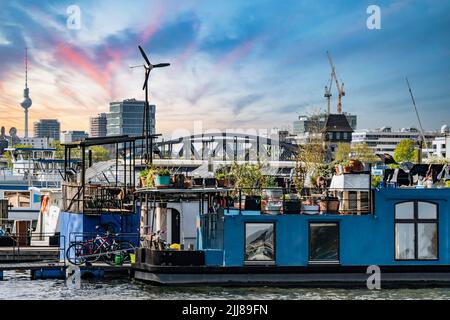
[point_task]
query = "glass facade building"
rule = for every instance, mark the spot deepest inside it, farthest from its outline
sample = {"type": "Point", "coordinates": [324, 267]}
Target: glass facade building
{"type": "Point", "coordinates": [126, 118]}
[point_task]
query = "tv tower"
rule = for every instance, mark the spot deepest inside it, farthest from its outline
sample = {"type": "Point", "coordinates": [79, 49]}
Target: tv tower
{"type": "Point", "coordinates": [26, 103]}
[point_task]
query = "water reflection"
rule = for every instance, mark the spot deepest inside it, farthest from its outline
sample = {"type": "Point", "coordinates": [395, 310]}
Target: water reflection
{"type": "Point", "coordinates": [19, 286]}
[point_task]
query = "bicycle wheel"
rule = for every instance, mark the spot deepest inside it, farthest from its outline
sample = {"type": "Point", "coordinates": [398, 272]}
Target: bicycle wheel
{"type": "Point", "coordinates": [76, 253]}
{"type": "Point", "coordinates": [126, 248]}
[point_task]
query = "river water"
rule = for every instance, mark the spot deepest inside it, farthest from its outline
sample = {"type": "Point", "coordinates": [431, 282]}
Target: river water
{"type": "Point", "coordinates": [18, 286]}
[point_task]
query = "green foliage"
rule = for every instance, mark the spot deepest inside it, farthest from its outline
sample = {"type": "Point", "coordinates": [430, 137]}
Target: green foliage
{"type": "Point", "coordinates": [342, 152]}
{"type": "Point", "coordinates": [162, 172]}
{"type": "Point", "coordinates": [406, 152]}
{"type": "Point", "coordinates": [376, 180]}
{"type": "Point", "coordinates": [361, 151]}
{"type": "Point", "coordinates": [99, 154]}
{"type": "Point", "coordinates": [248, 176]}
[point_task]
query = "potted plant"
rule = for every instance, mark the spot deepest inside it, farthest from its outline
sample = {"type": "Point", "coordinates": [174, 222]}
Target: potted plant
{"type": "Point", "coordinates": [346, 166]}
{"type": "Point", "coordinates": [143, 177]}
{"type": "Point", "coordinates": [162, 178]}
{"type": "Point", "coordinates": [220, 178]}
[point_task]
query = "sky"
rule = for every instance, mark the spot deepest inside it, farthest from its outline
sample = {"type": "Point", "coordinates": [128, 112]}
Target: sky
{"type": "Point", "coordinates": [234, 64]}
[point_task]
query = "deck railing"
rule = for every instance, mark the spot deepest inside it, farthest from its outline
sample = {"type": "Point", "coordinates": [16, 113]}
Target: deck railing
{"type": "Point", "coordinates": [97, 199]}
{"type": "Point", "coordinates": [357, 201]}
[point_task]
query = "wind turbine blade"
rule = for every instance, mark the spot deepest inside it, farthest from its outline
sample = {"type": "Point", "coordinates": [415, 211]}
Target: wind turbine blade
{"type": "Point", "coordinates": [145, 56]}
{"type": "Point", "coordinates": [161, 65]}
{"type": "Point", "coordinates": [147, 74]}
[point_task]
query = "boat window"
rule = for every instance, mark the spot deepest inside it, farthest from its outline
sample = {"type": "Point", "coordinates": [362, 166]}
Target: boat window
{"type": "Point", "coordinates": [323, 242]}
{"type": "Point", "coordinates": [427, 210]}
{"type": "Point", "coordinates": [404, 210]}
{"type": "Point", "coordinates": [259, 242]}
{"type": "Point", "coordinates": [416, 231]}
{"type": "Point", "coordinates": [404, 241]}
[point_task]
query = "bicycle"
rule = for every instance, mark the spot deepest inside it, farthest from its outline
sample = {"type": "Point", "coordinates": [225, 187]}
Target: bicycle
{"type": "Point", "coordinates": [90, 251]}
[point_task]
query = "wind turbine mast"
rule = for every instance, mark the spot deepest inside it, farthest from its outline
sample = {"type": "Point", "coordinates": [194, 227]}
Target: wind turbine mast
{"type": "Point", "coordinates": [148, 67]}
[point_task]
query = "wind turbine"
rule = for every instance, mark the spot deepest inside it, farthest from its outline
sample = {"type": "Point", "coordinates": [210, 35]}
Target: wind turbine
{"type": "Point", "coordinates": [148, 67]}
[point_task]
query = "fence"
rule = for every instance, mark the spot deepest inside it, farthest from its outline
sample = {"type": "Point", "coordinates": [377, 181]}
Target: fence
{"type": "Point", "coordinates": [310, 201]}
{"type": "Point", "coordinates": [31, 247]}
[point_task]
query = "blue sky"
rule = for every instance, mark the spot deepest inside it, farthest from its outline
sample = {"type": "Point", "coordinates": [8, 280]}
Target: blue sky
{"type": "Point", "coordinates": [235, 64]}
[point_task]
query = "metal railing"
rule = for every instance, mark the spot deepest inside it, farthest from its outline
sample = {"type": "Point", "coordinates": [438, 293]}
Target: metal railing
{"type": "Point", "coordinates": [97, 199]}
{"type": "Point", "coordinates": [32, 247]}
{"type": "Point", "coordinates": [274, 201]}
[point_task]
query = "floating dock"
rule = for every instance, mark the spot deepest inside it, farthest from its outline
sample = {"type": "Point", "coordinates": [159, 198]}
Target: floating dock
{"type": "Point", "coordinates": [57, 270]}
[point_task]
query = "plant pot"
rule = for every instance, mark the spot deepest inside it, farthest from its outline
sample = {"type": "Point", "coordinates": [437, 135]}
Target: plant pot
{"type": "Point", "coordinates": [143, 182]}
{"type": "Point", "coordinates": [221, 183]}
{"type": "Point", "coordinates": [198, 182]}
{"type": "Point", "coordinates": [292, 207]}
{"type": "Point", "coordinates": [252, 203]}
{"type": "Point", "coordinates": [210, 182]}
{"type": "Point", "coordinates": [162, 181]}
{"type": "Point", "coordinates": [310, 209]}
{"type": "Point", "coordinates": [330, 205]}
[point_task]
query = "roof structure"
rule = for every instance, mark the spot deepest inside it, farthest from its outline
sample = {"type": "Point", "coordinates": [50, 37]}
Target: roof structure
{"type": "Point", "coordinates": [337, 123]}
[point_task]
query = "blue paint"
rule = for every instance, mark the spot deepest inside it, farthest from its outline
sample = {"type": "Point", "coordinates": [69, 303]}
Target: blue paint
{"type": "Point", "coordinates": [74, 224]}
{"type": "Point", "coordinates": [44, 274]}
{"type": "Point", "coordinates": [1, 275]}
{"type": "Point", "coordinates": [364, 240]}
{"type": "Point", "coordinates": [213, 257]}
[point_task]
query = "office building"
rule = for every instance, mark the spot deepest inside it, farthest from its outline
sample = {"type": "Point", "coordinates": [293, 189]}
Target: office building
{"type": "Point", "coordinates": [385, 139]}
{"type": "Point", "coordinates": [73, 136]}
{"type": "Point", "coordinates": [47, 128]}
{"type": "Point", "coordinates": [39, 143]}
{"type": "Point", "coordinates": [315, 123]}
{"type": "Point", "coordinates": [97, 126]}
{"type": "Point", "coordinates": [126, 118]}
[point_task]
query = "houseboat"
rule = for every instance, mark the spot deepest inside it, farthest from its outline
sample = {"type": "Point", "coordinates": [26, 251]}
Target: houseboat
{"type": "Point", "coordinates": [405, 231]}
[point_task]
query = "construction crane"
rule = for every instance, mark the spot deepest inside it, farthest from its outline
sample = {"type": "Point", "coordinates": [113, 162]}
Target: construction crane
{"type": "Point", "coordinates": [340, 87]}
{"type": "Point", "coordinates": [328, 94]}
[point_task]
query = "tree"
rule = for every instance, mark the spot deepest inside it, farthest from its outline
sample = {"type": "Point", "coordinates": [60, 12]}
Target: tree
{"type": "Point", "coordinates": [342, 152]}
{"type": "Point", "coordinates": [361, 151]}
{"type": "Point", "coordinates": [99, 154]}
{"type": "Point", "coordinates": [405, 151]}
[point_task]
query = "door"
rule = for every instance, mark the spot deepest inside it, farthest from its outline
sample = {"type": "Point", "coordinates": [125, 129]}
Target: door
{"type": "Point", "coordinates": [176, 226]}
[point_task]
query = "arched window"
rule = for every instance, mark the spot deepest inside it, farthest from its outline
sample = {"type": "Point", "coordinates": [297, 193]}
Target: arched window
{"type": "Point", "coordinates": [416, 231]}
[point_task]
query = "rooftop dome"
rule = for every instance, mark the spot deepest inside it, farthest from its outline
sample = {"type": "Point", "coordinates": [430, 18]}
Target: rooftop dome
{"type": "Point", "coordinates": [445, 129]}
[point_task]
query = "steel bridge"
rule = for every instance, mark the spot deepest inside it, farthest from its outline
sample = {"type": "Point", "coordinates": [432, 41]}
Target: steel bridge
{"type": "Point", "coordinates": [226, 147]}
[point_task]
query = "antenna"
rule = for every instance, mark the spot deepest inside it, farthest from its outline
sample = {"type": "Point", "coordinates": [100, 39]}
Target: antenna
{"type": "Point", "coordinates": [417, 114]}
{"type": "Point", "coordinates": [26, 103]}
